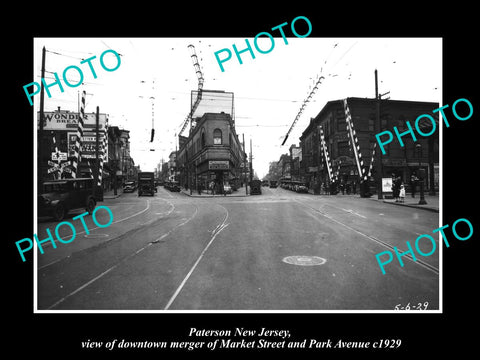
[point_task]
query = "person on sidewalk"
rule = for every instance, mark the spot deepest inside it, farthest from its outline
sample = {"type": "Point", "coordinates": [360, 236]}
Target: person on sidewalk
{"type": "Point", "coordinates": [413, 183]}
{"type": "Point", "coordinates": [402, 193]}
{"type": "Point", "coordinates": [396, 188]}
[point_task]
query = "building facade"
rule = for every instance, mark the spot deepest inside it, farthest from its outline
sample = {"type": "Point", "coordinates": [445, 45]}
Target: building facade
{"type": "Point", "coordinates": [399, 161]}
{"type": "Point", "coordinates": [120, 166]}
{"type": "Point", "coordinates": [57, 144]}
{"type": "Point", "coordinates": [57, 148]}
{"type": "Point", "coordinates": [295, 159]}
{"type": "Point", "coordinates": [211, 155]}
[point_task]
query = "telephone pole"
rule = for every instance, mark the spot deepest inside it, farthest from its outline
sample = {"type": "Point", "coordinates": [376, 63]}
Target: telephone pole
{"type": "Point", "coordinates": [97, 162]}
{"type": "Point", "coordinates": [245, 165]}
{"type": "Point", "coordinates": [42, 117]}
{"type": "Point", "coordinates": [251, 162]}
{"type": "Point", "coordinates": [378, 155]}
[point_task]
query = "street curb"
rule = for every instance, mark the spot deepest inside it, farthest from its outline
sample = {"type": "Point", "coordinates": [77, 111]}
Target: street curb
{"type": "Point", "coordinates": [413, 206]}
{"type": "Point", "coordinates": [211, 196]}
{"type": "Point", "coordinates": [110, 197]}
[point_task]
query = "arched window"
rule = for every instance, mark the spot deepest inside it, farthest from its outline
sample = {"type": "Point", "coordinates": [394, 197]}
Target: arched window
{"type": "Point", "coordinates": [217, 137]}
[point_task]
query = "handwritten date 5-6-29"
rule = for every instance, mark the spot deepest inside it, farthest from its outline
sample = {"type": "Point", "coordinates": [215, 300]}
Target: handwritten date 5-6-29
{"type": "Point", "coordinates": [418, 306]}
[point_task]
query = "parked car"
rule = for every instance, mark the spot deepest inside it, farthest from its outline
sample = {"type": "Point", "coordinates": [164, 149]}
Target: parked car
{"type": "Point", "coordinates": [174, 186]}
{"type": "Point", "coordinates": [301, 188]}
{"type": "Point", "coordinates": [227, 189]}
{"type": "Point", "coordinates": [129, 186]}
{"type": "Point", "coordinates": [58, 197]}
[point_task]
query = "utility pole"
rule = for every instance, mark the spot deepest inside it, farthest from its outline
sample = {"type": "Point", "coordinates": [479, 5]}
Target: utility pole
{"type": "Point", "coordinates": [40, 132]}
{"type": "Point", "coordinates": [378, 155]}
{"type": "Point", "coordinates": [251, 161]}
{"type": "Point", "coordinates": [97, 145]}
{"type": "Point", "coordinates": [245, 165]}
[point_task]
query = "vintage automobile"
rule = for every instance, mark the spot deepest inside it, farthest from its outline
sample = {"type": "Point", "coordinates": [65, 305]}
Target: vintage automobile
{"type": "Point", "coordinates": [174, 186]}
{"type": "Point", "coordinates": [58, 197]}
{"type": "Point", "coordinates": [227, 189]}
{"type": "Point", "coordinates": [130, 186]}
{"type": "Point", "coordinates": [255, 187]}
{"type": "Point", "coordinates": [146, 183]}
{"type": "Point", "coordinates": [301, 188]}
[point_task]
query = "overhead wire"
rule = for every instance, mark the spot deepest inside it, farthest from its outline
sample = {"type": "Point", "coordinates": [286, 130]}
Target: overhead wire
{"type": "Point", "coordinates": [319, 78]}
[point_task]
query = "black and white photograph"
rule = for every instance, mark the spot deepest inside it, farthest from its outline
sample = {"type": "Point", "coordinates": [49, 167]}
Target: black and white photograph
{"type": "Point", "coordinates": [231, 185]}
{"type": "Point", "coordinates": [273, 185]}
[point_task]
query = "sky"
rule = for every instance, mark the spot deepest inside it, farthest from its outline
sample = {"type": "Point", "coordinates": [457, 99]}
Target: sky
{"type": "Point", "coordinates": [155, 78]}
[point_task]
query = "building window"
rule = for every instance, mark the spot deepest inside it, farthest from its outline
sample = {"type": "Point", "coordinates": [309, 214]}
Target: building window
{"type": "Point", "coordinates": [343, 148]}
{"type": "Point", "coordinates": [341, 123]}
{"type": "Point", "coordinates": [371, 122]}
{"type": "Point", "coordinates": [203, 139]}
{"type": "Point", "coordinates": [217, 137]}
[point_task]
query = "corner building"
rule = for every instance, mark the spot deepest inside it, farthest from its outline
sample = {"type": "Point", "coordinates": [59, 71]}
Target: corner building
{"type": "Point", "coordinates": [399, 161]}
{"type": "Point", "coordinates": [211, 153]}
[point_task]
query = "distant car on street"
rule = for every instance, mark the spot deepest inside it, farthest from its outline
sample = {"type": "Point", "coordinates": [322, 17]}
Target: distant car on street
{"type": "Point", "coordinates": [301, 188]}
{"type": "Point", "coordinates": [273, 184]}
{"type": "Point", "coordinates": [58, 197]}
{"type": "Point", "coordinates": [227, 189]}
{"type": "Point", "coordinates": [130, 186]}
{"type": "Point", "coordinates": [173, 186]}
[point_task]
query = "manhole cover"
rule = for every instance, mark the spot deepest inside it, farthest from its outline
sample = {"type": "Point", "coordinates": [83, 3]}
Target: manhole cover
{"type": "Point", "coordinates": [95, 236]}
{"type": "Point", "coordinates": [304, 260]}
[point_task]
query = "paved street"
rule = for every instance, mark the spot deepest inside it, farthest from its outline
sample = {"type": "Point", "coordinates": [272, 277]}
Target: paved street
{"type": "Point", "coordinates": [176, 252]}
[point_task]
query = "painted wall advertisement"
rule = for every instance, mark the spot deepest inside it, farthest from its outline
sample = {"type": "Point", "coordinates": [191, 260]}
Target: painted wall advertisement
{"type": "Point", "coordinates": [68, 122]}
{"type": "Point", "coordinates": [88, 145]}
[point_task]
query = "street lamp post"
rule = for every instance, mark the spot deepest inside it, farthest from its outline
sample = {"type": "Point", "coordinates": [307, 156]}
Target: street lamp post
{"type": "Point", "coordinates": [421, 175]}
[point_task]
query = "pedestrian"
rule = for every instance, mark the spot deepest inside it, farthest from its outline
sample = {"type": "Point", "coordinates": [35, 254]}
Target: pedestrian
{"type": "Point", "coordinates": [354, 187]}
{"type": "Point", "coordinates": [413, 183]}
{"type": "Point", "coordinates": [396, 188]}
{"type": "Point", "coordinates": [402, 192]}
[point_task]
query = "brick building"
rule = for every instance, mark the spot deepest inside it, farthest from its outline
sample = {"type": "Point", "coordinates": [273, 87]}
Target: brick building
{"type": "Point", "coordinates": [401, 161]}
{"type": "Point", "coordinates": [211, 153]}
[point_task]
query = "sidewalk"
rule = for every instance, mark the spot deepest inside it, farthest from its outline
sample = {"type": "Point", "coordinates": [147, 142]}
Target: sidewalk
{"type": "Point", "coordinates": [109, 194]}
{"type": "Point", "coordinates": [204, 194]}
{"type": "Point", "coordinates": [431, 205]}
